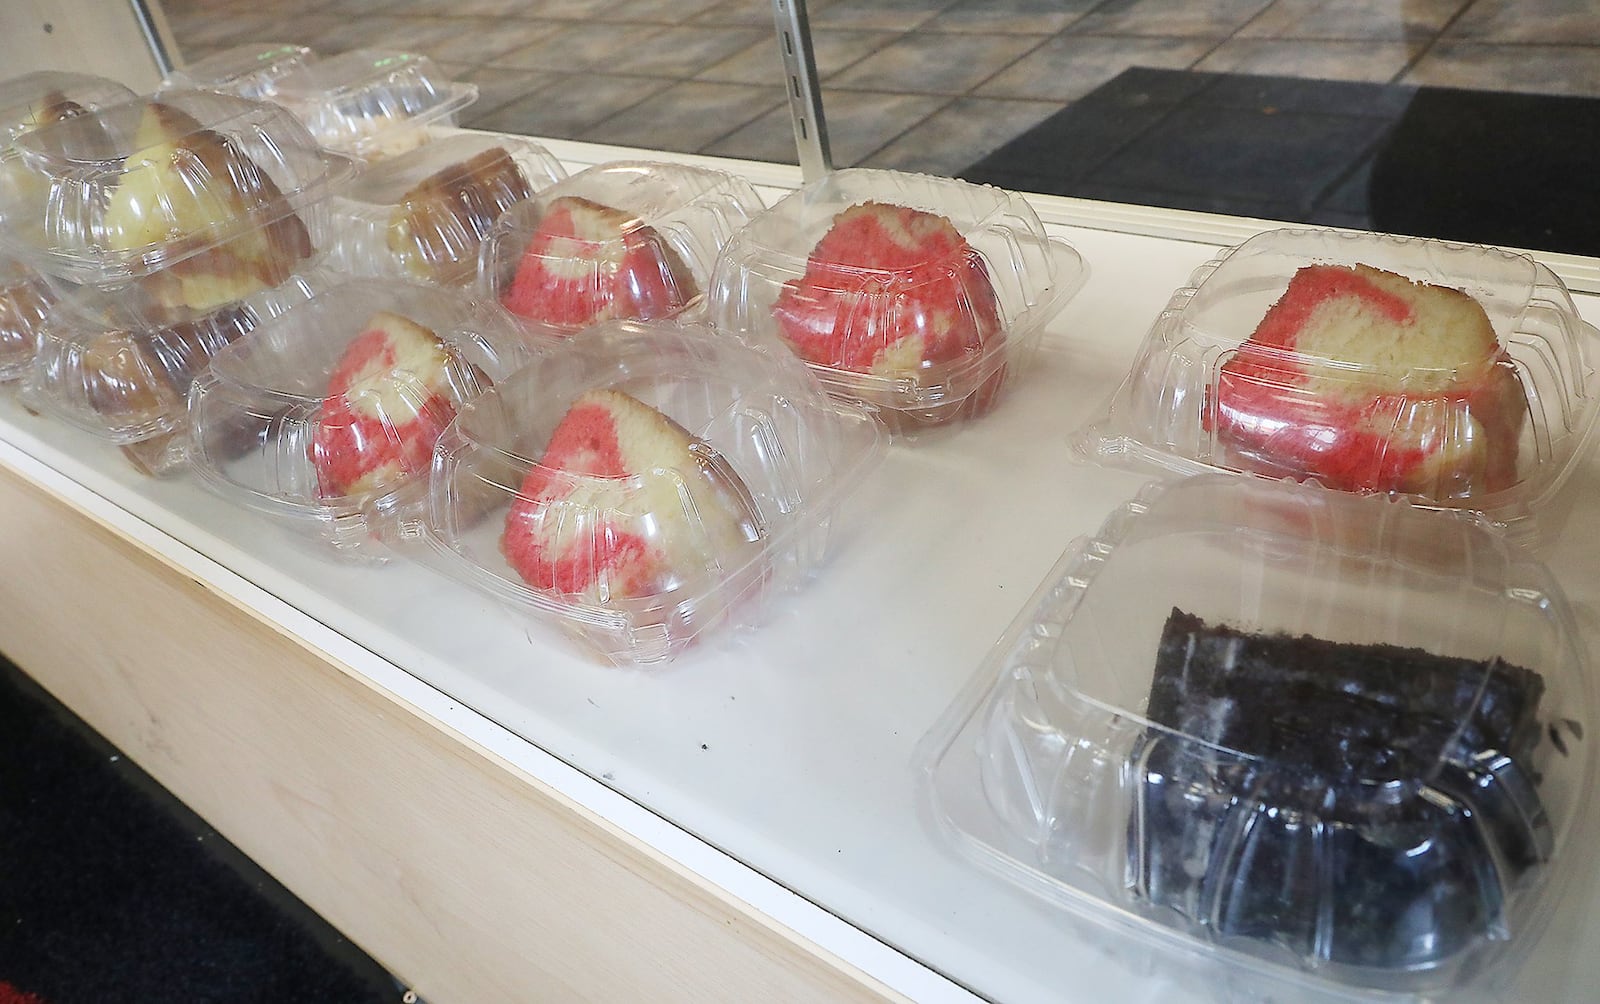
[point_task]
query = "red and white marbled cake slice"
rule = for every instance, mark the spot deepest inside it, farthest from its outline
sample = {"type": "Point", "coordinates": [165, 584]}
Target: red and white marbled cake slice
{"type": "Point", "coordinates": [588, 263]}
{"type": "Point", "coordinates": [1404, 335]}
{"type": "Point", "coordinates": [388, 399]}
{"type": "Point", "coordinates": [625, 503]}
{"type": "Point", "coordinates": [888, 290]}
{"type": "Point", "coordinates": [1369, 380]}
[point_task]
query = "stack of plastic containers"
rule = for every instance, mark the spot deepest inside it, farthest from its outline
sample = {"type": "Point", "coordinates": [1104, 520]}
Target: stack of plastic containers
{"type": "Point", "coordinates": [173, 226]}
{"type": "Point", "coordinates": [623, 240]}
{"type": "Point", "coordinates": [246, 71]}
{"type": "Point", "coordinates": [373, 103]}
{"type": "Point", "coordinates": [1453, 406]}
{"type": "Point", "coordinates": [27, 103]}
{"type": "Point", "coordinates": [326, 415]}
{"type": "Point", "coordinates": [1310, 717]}
{"type": "Point", "coordinates": [1322, 743]}
{"type": "Point", "coordinates": [105, 367]}
{"type": "Point", "coordinates": [423, 214]}
{"type": "Point", "coordinates": [918, 296]}
{"type": "Point", "coordinates": [644, 484]}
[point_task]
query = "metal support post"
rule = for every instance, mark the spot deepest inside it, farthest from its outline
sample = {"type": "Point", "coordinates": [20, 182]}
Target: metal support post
{"type": "Point", "coordinates": [805, 95]}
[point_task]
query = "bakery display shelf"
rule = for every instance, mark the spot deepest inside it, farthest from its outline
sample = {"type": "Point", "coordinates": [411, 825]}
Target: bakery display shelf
{"type": "Point", "coordinates": [773, 771]}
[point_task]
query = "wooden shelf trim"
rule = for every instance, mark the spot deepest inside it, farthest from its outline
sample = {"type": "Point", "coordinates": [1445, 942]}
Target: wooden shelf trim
{"type": "Point", "coordinates": [470, 879]}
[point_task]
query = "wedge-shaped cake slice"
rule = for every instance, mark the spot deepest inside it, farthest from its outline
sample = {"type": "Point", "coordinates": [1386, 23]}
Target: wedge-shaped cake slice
{"type": "Point", "coordinates": [132, 374]}
{"type": "Point", "coordinates": [393, 391]}
{"type": "Point", "coordinates": [213, 225]}
{"type": "Point", "coordinates": [625, 503]}
{"type": "Point", "coordinates": [1368, 805]}
{"type": "Point", "coordinates": [1370, 381]}
{"type": "Point", "coordinates": [440, 222]}
{"type": "Point", "coordinates": [588, 262]}
{"type": "Point", "coordinates": [889, 290]}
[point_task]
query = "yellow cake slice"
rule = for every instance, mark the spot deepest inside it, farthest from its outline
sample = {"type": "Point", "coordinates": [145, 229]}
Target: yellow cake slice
{"type": "Point", "coordinates": [212, 224]}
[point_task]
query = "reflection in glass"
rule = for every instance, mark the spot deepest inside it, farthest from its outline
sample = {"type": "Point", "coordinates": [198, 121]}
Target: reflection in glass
{"type": "Point", "coordinates": [1443, 118]}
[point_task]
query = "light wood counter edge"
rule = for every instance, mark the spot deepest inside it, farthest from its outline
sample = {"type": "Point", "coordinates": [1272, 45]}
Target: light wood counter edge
{"type": "Point", "coordinates": [469, 879]}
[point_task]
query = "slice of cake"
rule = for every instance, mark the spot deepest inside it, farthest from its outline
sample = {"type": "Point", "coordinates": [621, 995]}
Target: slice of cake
{"type": "Point", "coordinates": [625, 503]}
{"type": "Point", "coordinates": [123, 381]}
{"type": "Point", "coordinates": [24, 303]}
{"type": "Point", "coordinates": [440, 222]}
{"type": "Point", "coordinates": [587, 263]}
{"type": "Point", "coordinates": [392, 393]}
{"type": "Point", "coordinates": [890, 290]}
{"type": "Point", "coordinates": [1363, 804]}
{"type": "Point", "coordinates": [136, 376]}
{"type": "Point", "coordinates": [212, 220]}
{"type": "Point", "coordinates": [1370, 381]}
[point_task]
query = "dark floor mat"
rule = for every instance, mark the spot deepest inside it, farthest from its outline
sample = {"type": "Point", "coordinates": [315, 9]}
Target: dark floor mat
{"type": "Point", "coordinates": [1477, 166]}
{"type": "Point", "coordinates": [112, 891]}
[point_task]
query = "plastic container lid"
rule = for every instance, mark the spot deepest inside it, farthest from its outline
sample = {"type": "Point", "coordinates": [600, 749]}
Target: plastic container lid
{"type": "Point", "coordinates": [643, 484]}
{"type": "Point", "coordinates": [25, 300]}
{"type": "Point", "coordinates": [103, 368]}
{"type": "Point", "coordinates": [246, 71]}
{"type": "Point", "coordinates": [323, 415]}
{"type": "Point", "coordinates": [423, 214]}
{"type": "Point", "coordinates": [48, 96]}
{"type": "Point", "coordinates": [1307, 731]}
{"type": "Point", "coordinates": [916, 295]}
{"type": "Point", "coordinates": [194, 201]}
{"type": "Point", "coordinates": [33, 101]}
{"type": "Point", "coordinates": [624, 240]}
{"type": "Point", "coordinates": [373, 103]}
{"type": "Point", "coordinates": [1364, 381]}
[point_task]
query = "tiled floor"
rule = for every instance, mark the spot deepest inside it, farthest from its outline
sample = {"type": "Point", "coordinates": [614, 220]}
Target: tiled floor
{"type": "Point", "coordinates": [930, 85]}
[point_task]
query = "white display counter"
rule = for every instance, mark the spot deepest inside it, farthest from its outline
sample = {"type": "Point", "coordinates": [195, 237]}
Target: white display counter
{"type": "Point", "coordinates": [496, 817]}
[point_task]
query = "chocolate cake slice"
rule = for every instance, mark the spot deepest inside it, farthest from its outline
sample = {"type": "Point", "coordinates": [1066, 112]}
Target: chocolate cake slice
{"type": "Point", "coordinates": [1364, 805]}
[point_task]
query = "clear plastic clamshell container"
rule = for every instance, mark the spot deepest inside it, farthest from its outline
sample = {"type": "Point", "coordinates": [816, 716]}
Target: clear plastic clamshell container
{"type": "Point", "coordinates": [423, 215]}
{"type": "Point", "coordinates": [624, 240]}
{"type": "Point", "coordinates": [644, 484]}
{"type": "Point", "coordinates": [1461, 376]}
{"type": "Point", "coordinates": [102, 367]}
{"type": "Point", "coordinates": [1321, 745]}
{"type": "Point", "coordinates": [45, 97]}
{"type": "Point", "coordinates": [374, 103]}
{"type": "Point", "coordinates": [916, 295]}
{"type": "Point", "coordinates": [325, 415]}
{"type": "Point", "coordinates": [25, 300]}
{"type": "Point", "coordinates": [247, 71]}
{"type": "Point", "coordinates": [34, 101]}
{"type": "Point", "coordinates": [186, 204]}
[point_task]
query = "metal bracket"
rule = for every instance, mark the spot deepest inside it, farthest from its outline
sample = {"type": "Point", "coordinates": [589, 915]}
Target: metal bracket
{"type": "Point", "coordinates": [153, 26]}
{"type": "Point", "coordinates": [805, 94]}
